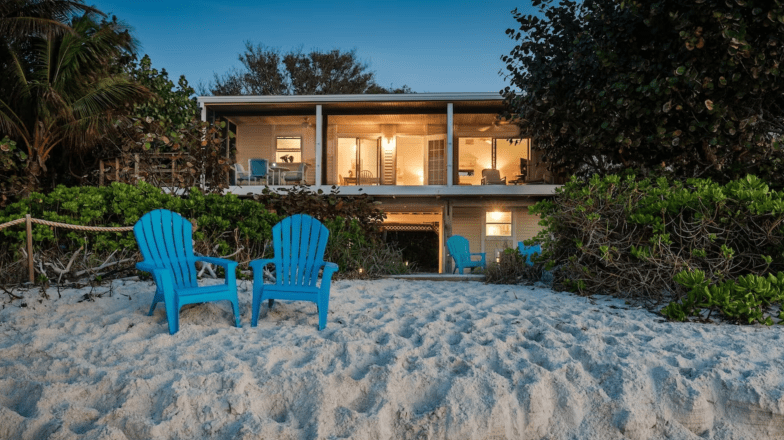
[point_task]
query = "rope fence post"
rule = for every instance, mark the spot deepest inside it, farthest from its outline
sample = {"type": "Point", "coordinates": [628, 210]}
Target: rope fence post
{"type": "Point", "coordinates": [30, 269]}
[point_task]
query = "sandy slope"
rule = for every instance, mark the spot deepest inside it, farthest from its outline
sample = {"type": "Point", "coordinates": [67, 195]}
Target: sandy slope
{"type": "Point", "coordinates": [398, 360]}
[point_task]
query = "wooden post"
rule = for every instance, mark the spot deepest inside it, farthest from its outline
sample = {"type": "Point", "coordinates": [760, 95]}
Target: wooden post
{"type": "Point", "coordinates": [100, 178]}
{"type": "Point", "coordinates": [117, 169]}
{"type": "Point", "coordinates": [136, 168]}
{"type": "Point", "coordinates": [30, 269]}
{"type": "Point", "coordinates": [447, 233]}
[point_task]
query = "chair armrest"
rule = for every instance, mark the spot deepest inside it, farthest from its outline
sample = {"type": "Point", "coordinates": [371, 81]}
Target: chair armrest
{"type": "Point", "coordinates": [163, 277]}
{"type": "Point", "coordinates": [146, 266]}
{"type": "Point", "coordinates": [481, 254]}
{"type": "Point", "coordinates": [258, 265]}
{"type": "Point", "coordinates": [226, 264]}
{"type": "Point", "coordinates": [330, 268]}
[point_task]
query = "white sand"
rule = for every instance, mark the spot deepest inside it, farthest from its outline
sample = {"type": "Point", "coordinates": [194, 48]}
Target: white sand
{"type": "Point", "coordinates": [398, 360]}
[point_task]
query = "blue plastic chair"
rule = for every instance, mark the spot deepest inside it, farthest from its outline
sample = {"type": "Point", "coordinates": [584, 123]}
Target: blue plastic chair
{"type": "Point", "coordinates": [299, 242]}
{"type": "Point", "coordinates": [529, 251]}
{"type": "Point", "coordinates": [164, 238]}
{"type": "Point", "coordinates": [461, 253]}
{"type": "Point", "coordinates": [258, 169]}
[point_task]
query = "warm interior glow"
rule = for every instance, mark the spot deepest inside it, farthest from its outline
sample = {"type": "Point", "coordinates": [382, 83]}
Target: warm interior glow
{"type": "Point", "coordinates": [410, 160]}
{"type": "Point", "coordinates": [499, 217]}
{"type": "Point", "coordinates": [475, 155]}
{"type": "Point", "coordinates": [389, 144]}
{"type": "Point", "coordinates": [498, 224]}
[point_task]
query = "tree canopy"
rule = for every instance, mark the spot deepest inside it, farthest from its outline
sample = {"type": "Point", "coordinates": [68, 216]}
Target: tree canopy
{"type": "Point", "coordinates": [173, 105]}
{"type": "Point", "coordinates": [64, 89]}
{"type": "Point", "coordinates": [689, 86]}
{"type": "Point", "coordinates": [267, 71]}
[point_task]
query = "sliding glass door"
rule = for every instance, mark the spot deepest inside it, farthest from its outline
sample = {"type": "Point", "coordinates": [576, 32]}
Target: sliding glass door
{"type": "Point", "coordinates": [359, 161]}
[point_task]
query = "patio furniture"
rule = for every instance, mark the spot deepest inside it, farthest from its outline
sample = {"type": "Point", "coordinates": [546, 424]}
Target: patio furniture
{"type": "Point", "coordinates": [240, 174]}
{"type": "Point", "coordinates": [299, 242]}
{"type": "Point", "coordinates": [492, 177]}
{"type": "Point", "coordinates": [165, 240]}
{"type": "Point", "coordinates": [529, 252]}
{"type": "Point", "coordinates": [258, 169]}
{"type": "Point", "coordinates": [366, 178]}
{"type": "Point", "coordinates": [276, 172]}
{"type": "Point", "coordinates": [296, 176]}
{"type": "Point", "coordinates": [460, 251]}
{"type": "Point", "coordinates": [520, 178]}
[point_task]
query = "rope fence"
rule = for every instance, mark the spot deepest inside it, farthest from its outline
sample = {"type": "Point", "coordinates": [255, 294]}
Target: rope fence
{"type": "Point", "coordinates": [29, 222]}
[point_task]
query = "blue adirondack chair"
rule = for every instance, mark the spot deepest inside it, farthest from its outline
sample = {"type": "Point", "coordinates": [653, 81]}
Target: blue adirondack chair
{"type": "Point", "coordinates": [461, 253]}
{"type": "Point", "coordinates": [164, 238]}
{"type": "Point", "coordinates": [299, 242]}
{"type": "Point", "coordinates": [258, 169]}
{"type": "Point", "coordinates": [529, 251]}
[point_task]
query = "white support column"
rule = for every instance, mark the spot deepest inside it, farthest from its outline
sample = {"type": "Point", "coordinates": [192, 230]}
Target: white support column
{"type": "Point", "coordinates": [319, 146]}
{"type": "Point", "coordinates": [203, 112]}
{"type": "Point", "coordinates": [449, 147]}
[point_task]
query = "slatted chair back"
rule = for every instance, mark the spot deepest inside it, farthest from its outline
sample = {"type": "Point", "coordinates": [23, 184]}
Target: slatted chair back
{"type": "Point", "coordinates": [258, 168]}
{"type": "Point", "coordinates": [299, 242]}
{"type": "Point", "coordinates": [165, 238]}
{"type": "Point", "coordinates": [366, 177]}
{"type": "Point", "coordinates": [460, 250]}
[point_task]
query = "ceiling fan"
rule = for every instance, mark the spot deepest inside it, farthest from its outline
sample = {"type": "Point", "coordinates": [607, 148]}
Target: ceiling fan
{"type": "Point", "coordinates": [496, 123]}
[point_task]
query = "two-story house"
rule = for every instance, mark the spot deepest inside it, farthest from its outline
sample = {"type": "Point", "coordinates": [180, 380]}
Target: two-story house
{"type": "Point", "coordinates": [443, 162]}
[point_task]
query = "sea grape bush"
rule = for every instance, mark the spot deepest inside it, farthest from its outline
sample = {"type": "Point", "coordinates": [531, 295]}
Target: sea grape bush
{"type": "Point", "coordinates": [325, 206]}
{"type": "Point", "coordinates": [746, 300]}
{"type": "Point", "coordinates": [630, 237]}
{"type": "Point", "coordinates": [225, 222]}
{"type": "Point", "coordinates": [691, 86]}
{"type": "Point", "coordinates": [227, 225]}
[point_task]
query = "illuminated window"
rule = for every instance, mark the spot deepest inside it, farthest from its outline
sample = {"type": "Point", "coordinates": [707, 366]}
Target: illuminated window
{"type": "Point", "coordinates": [289, 148]}
{"type": "Point", "coordinates": [498, 224]}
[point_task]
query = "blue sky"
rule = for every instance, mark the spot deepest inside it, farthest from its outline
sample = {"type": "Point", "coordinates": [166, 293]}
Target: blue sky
{"type": "Point", "coordinates": [431, 46]}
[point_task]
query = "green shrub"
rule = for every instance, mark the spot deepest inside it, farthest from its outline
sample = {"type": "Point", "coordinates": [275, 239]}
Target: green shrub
{"type": "Point", "coordinates": [746, 300]}
{"type": "Point", "coordinates": [627, 237]}
{"type": "Point", "coordinates": [359, 254]}
{"type": "Point", "coordinates": [509, 269]}
{"type": "Point", "coordinates": [227, 225]}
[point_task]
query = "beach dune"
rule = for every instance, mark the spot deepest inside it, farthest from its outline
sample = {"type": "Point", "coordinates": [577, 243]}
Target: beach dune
{"type": "Point", "coordinates": [398, 360]}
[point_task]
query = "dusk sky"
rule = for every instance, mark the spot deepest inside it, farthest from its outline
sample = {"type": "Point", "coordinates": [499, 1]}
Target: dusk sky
{"type": "Point", "coordinates": [430, 46]}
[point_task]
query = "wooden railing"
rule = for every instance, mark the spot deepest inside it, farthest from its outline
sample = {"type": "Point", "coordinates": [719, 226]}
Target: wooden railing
{"type": "Point", "coordinates": [163, 169]}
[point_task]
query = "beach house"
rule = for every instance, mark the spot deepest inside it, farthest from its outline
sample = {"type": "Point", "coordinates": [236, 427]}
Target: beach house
{"type": "Point", "coordinates": [440, 162]}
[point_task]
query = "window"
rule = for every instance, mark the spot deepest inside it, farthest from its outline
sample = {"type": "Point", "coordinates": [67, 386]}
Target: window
{"type": "Point", "coordinates": [289, 148]}
{"type": "Point", "coordinates": [498, 224]}
{"type": "Point", "coordinates": [436, 165]}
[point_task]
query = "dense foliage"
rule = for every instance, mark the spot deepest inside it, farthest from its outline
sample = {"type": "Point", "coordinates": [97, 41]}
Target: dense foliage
{"type": "Point", "coordinates": [173, 105]}
{"type": "Point", "coordinates": [269, 72]}
{"type": "Point", "coordinates": [60, 92]}
{"type": "Point", "coordinates": [227, 226]}
{"type": "Point", "coordinates": [631, 238]}
{"type": "Point", "coordinates": [21, 18]}
{"type": "Point", "coordinates": [354, 221]}
{"type": "Point", "coordinates": [196, 150]}
{"type": "Point", "coordinates": [509, 269]}
{"type": "Point", "coordinates": [691, 86]}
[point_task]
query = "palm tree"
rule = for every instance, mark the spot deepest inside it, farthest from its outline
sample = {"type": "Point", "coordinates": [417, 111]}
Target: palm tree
{"type": "Point", "coordinates": [64, 89]}
{"type": "Point", "coordinates": [20, 19]}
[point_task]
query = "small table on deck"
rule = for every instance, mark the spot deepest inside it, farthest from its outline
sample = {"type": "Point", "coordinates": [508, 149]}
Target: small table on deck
{"type": "Point", "coordinates": [276, 173]}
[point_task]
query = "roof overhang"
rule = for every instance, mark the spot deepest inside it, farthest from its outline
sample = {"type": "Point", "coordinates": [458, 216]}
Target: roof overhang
{"type": "Point", "coordinates": [329, 99]}
{"type": "Point", "coordinates": [410, 103]}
